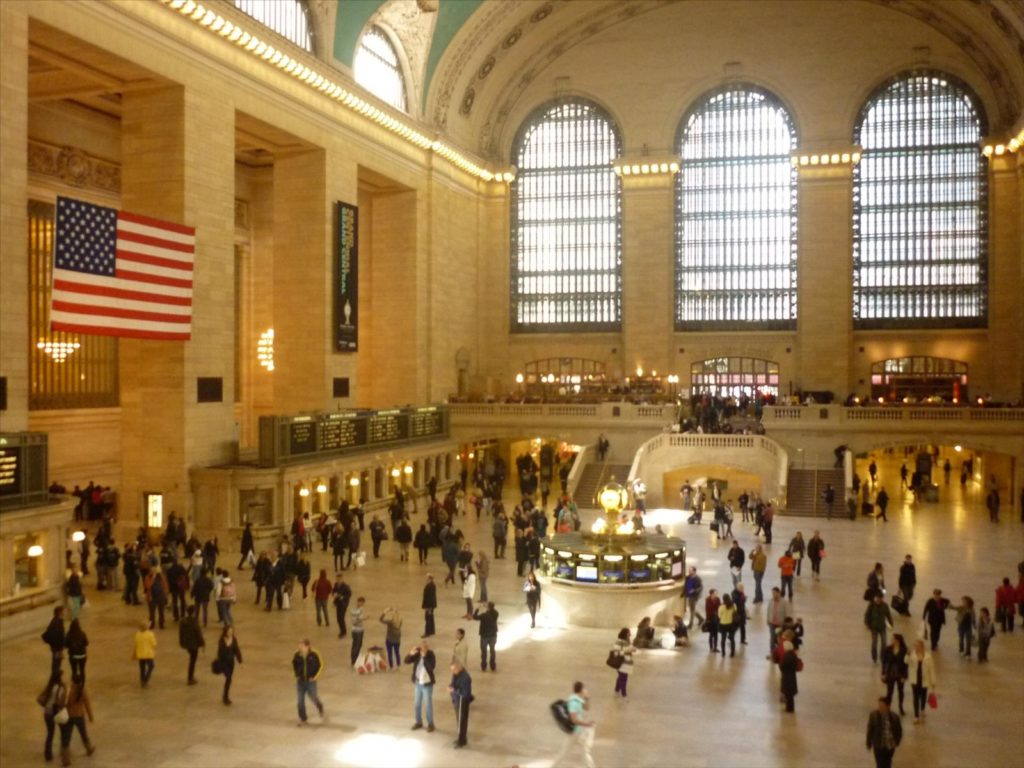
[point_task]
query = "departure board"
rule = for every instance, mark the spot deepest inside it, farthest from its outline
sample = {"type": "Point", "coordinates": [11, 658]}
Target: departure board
{"type": "Point", "coordinates": [302, 435]}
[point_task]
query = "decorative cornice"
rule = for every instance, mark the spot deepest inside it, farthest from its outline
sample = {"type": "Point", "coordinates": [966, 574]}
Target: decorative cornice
{"type": "Point", "coordinates": [73, 167]}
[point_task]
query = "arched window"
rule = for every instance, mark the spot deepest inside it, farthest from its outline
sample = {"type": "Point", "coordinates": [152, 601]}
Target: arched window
{"type": "Point", "coordinates": [566, 221]}
{"type": "Point", "coordinates": [919, 380]}
{"type": "Point", "coordinates": [289, 18]}
{"type": "Point", "coordinates": [920, 198]}
{"type": "Point", "coordinates": [734, 376]}
{"type": "Point", "coordinates": [378, 70]}
{"type": "Point", "coordinates": [736, 213]}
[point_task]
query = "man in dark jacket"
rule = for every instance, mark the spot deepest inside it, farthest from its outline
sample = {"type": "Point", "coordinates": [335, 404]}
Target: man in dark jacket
{"type": "Point", "coordinates": [307, 665]}
{"type": "Point", "coordinates": [461, 690]}
{"type": "Point", "coordinates": [488, 635]}
{"type": "Point", "coordinates": [190, 637]}
{"type": "Point", "coordinates": [342, 595]}
{"type": "Point", "coordinates": [429, 604]}
{"type": "Point", "coordinates": [423, 662]}
{"type": "Point", "coordinates": [201, 591]}
{"type": "Point", "coordinates": [248, 547]}
{"type": "Point", "coordinates": [935, 615]}
{"type": "Point", "coordinates": [54, 637]}
{"type": "Point", "coordinates": [877, 618]}
{"type": "Point", "coordinates": [177, 580]}
{"type": "Point", "coordinates": [275, 583]}
{"type": "Point", "coordinates": [737, 557]}
{"type": "Point", "coordinates": [908, 579]}
{"type": "Point", "coordinates": [882, 500]}
{"type": "Point", "coordinates": [131, 575]}
{"type": "Point", "coordinates": [885, 731]}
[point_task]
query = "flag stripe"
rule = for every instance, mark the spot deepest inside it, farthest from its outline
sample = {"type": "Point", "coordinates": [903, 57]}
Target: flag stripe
{"type": "Point", "coordinates": [146, 221]}
{"type": "Point", "coordinates": [120, 331]}
{"type": "Point", "coordinates": [124, 237]}
{"type": "Point", "coordinates": [157, 290]}
{"type": "Point", "coordinates": [62, 286]}
{"type": "Point", "coordinates": [121, 274]}
{"type": "Point", "coordinates": [142, 257]}
{"type": "Point", "coordinates": [93, 309]}
{"type": "Point", "coordinates": [155, 279]}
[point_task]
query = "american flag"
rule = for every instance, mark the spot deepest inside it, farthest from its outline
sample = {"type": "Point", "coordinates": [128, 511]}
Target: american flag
{"type": "Point", "coordinates": [121, 274]}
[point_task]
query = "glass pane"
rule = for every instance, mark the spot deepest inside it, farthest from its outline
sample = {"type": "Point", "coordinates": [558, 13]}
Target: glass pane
{"type": "Point", "coordinates": [378, 70]}
{"type": "Point", "coordinates": [286, 17]}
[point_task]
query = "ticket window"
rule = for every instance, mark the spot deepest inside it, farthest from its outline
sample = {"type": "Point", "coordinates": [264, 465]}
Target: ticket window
{"type": "Point", "coordinates": [640, 568]}
{"type": "Point", "coordinates": [565, 565]}
{"type": "Point", "coordinates": [586, 568]}
{"type": "Point", "coordinates": [613, 569]}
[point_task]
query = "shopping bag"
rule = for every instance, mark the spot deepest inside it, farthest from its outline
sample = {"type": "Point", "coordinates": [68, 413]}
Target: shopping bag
{"type": "Point", "coordinates": [286, 601]}
{"type": "Point", "coordinates": [933, 700]}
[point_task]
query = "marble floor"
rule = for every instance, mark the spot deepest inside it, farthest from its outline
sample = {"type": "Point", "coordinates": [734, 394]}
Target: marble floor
{"type": "Point", "coordinates": [686, 707]}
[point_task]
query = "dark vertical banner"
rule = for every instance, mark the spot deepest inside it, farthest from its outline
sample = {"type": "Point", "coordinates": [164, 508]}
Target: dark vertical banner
{"type": "Point", "coordinates": [346, 279]}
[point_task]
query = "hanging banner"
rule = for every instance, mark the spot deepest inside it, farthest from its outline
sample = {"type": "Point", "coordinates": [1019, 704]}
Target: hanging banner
{"type": "Point", "coordinates": [346, 279]}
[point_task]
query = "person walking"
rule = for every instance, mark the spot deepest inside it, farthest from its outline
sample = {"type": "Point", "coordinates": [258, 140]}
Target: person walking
{"type": "Point", "coordinates": [202, 588]}
{"type": "Point", "coordinates": [226, 598]}
{"type": "Point", "coordinates": [877, 618]}
{"type": "Point", "coordinates": [423, 664]}
{"type": "Point", "coordinates": [75, 593]}
{"type": "Point", "coordinates": [908, 580]}
{"type": "Point", "coordinates": [156, 589]}
{"type": "Point", "coordinates": [357, 615]}
{"type": "Point", "coordinates": [798, 548]}
{"type": "Point", "coordinates": [895, 668]}
{"type": "Point", "coordinates": [711, 605]}
{"type": "Point", "coordinates": [736, 557]}
{"type": "Point", "coordinates": [403, 536]}
{"type": "Point", "coordinates": [884, 734]}
{"type": "Point", "coordinates": [307, 666]}
{"type": "Point", "coordinates": [921, 672]}
{"type": "Point", "coordinates": [55, 637]}
{"type": "Point", "coordinates": [488, 635]}
{"type": "Point", "coordinates": [469, 591]}
{"type": "Point", "coordinates": [460, 651]}
{"type": "Point", "coordinates": [342, 595]}
{"type": "Point", "coordinates": [422, 543]}
{"type": "Point", "coordinates": [965, 624]}
{"type": "Point", "coordinates": [378, 533]}
{"type": "Point", "coordinates": [576, 750]}
{"type": "Point", "coordinates": [429, 605]}
{"type": "Point", "coordinates": [787, 567]}
{"type": "Point", "coordinates": [77, 644]}
{"type": "Point", "coordinates": [190, 637]}
{"type": "Point", "coordinates": [830, 500]}
{"type": "Point", "coordinates": [228, 653]}
{"type": "Point", "coordinates": [789, 665]}
{"type": "Point", "coordinates": [54, 699]}
{"type": "Point", "coordinates": [623, 650]}
{"type": "Point", "coordinates": [935, 616]}
{"type": "Point", "coordinates": [461, 690]}
{"type": "Point", "coordinates": [532, 589]}
{"type": "Point", "coordinates": [248, 548]}
{"type": "Point", "coordinates": [758, 565]}
{"type": "Point", "coordinates": [693, 587]}
{"type": "Point", "coordinates": [1006, 605]}
{"type": "Point", "coordinates": [392, 620]}
{"type": "Point", "coordinates": [815, 553]}
{"type": "Point", "coordinates": [79, 707]}
{"type": "Point", "coordinates": [992, 502]}
{"type": "Point", "coordinates": [727, 624]}
{"type": "Point", "coordinates": [739, 599]}
{"type": "Point", "coordinates": [776, 613]}
{"type": "Point", "coordinates": [145, 652]}
{"type": "Point", "coordinates": [322, 589]}
{"type": "Point", "coordinates": [882, 500]}
{"type": "Point", "coordinates": [483, 572]}
{"type": "Point", "coordinates": [986, 631]}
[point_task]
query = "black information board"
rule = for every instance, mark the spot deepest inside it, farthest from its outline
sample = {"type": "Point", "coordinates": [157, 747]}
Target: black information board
{"type": "Point", "coordinates": [302, 436]}
{"type": "Point", "coordinates": [346, 279]}
{"type": "Point", "coordinates": [10, 470]}
{"type": "Point", "coordinates": [285, 439]}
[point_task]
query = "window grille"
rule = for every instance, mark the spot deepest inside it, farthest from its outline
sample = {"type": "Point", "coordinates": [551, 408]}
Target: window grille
{"type": "Point", "coordinates": [66, 369]}
{"type": "Point", "coordinates": [289, 18]}
{"type": "Point", "coordinates": [378, 69]}
{"type": "Point", "coordinates": [736, 220]}
{"type": "Point", "coordinates": [566, 229]}
{"type": "Point", "coordinates": [920, 200]}
{"type": "Point", "coordinates": [735, 376]}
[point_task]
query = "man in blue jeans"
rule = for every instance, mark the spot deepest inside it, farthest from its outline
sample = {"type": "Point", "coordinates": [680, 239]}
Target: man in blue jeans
{"type": "Point", "coordinates": [423, 664]}
{"type": "Point", "coordinates": [307, 666]}
{"type": "Point", "coordinates": [488, 635]}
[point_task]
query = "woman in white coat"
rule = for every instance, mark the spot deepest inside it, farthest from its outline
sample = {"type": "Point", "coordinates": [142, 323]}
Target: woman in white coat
{"type": "Point", "coordinates": [921, 672]}
{"type": "Point", "coordinates": [469, 590]}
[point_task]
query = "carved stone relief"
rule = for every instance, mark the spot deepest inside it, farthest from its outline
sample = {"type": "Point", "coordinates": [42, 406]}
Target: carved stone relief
{"type": "Point", "coordinates": [73, 167]}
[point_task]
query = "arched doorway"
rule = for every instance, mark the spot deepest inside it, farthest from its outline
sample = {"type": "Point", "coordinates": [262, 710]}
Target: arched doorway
{"type": "Point", "coordinates": [919, 379]}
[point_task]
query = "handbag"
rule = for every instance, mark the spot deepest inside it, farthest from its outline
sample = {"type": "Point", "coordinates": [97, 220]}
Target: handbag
{"type": "Point", "coordinates": [933, 700]}
{"type": "Point", "coordinates": [61, 716]}
{"type": "Point", "coordinates": [215, 667]}
{"type": "Point", "coordinates": [614, 659]}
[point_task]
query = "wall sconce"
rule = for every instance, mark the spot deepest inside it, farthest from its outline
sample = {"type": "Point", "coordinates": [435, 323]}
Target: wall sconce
{"type": "Point", "coordinates": [59, 351]}
{"type": "Point", "coordinates": [78, 536]}
{"type": "Point", "coordinates": [354, 482]}
{"type": "Point", "coordinates": [303, 491]}
{"type": "Point", "coordinates": [519, 378]}
{"type": "Point", "coordinates": [35, 551]}
{"type": "Point", "coordinates": [321, 488]}
{"type": "Point", "coordinates": [396, 472]}
{"type": "Point", "coordinates": [408, 469]}
{"type": "Point", "coordinates": [639, 372]}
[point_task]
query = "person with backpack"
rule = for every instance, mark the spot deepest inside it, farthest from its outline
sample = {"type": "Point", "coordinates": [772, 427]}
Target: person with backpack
{"type": "Point", "coordinates": [622, 651]}
{"type": "Point", "coordinates": [156, 595]}
{"type": "Point", "coordinates": [53, 700]}
{"type": "Point", "coordinates": [190, 638]}
{"type": "Point", "coordinates": [572, 718]}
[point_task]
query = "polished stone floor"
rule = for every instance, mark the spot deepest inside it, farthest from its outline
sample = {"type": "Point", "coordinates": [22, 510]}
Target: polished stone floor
{"type": "Point", "coordinates": [686, 707]}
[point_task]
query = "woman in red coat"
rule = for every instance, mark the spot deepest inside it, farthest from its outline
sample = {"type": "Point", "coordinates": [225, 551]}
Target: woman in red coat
{"type": "Point", "coordinates": [1006, 597]}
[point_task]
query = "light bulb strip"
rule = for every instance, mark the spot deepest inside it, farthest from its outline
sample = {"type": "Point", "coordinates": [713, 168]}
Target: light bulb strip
{"type": "Point", "coordinates": [803, 160]}
{"type": "Point", "coordinates": [215, 23]}
{"type": "Point", "coordinates": [626, 167]}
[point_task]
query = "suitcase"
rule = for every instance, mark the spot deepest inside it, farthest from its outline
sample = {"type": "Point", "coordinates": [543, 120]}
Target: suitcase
{"type": "Point", "coordinates": [899, 604]}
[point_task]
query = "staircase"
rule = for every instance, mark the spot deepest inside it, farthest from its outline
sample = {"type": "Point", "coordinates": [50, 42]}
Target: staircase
{"type": "Point", "coordinates": [595, 476]}
{"type": "Point", "coordinates": [805, 492]}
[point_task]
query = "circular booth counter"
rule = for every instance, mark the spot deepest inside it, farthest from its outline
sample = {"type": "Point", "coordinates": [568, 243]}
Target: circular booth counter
{"type": "Point", "coordinates": [597, 582]}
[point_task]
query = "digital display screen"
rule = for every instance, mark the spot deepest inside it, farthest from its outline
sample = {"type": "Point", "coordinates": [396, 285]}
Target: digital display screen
{"type": "Point", "coordinates": [641, 575]}
{"type": "Point", "coordinates": [586, 572]}
{"type": "Point", "coordinates": [564, 571]}
{"type": "Point", "coordinates": [614, 575]}
{"type": "Point", "coordinates": [677, 569]}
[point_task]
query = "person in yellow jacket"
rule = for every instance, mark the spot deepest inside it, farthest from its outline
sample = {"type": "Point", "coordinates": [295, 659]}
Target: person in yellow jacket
{"type": "Point", "coordinates": [145, 652]}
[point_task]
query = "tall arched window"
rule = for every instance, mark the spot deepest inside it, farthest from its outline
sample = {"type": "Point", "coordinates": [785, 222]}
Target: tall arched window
{"type": "Point", "coordinates": [736, 213]}
{"type": "Point", "coordinates": [920, 196]}
{"type": "Point", "coordinates": [378, 69]}
{"type": "Point", "coordinates": [289, 18]}
{"type": "Point", "coordinates": [566, 221]}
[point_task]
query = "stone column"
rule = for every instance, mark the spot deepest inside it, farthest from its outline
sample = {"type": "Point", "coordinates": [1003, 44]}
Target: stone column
{"type": "Point", "coordinates": [648, 273]}
{"type": "Point", "coordinates": [1005, 268]}
{"type": "Point", "coordinates": [825, 280]}
{"type": "Point", "coordinates": [14, 215]}
{"type": "Point", "coordinates": [178, 150]}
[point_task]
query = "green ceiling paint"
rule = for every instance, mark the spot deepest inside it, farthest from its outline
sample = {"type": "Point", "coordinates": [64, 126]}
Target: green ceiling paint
{"type": "Point", "coordinates": [352, 18]}
{"type": "Point", "coordinates": [451, 15]}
